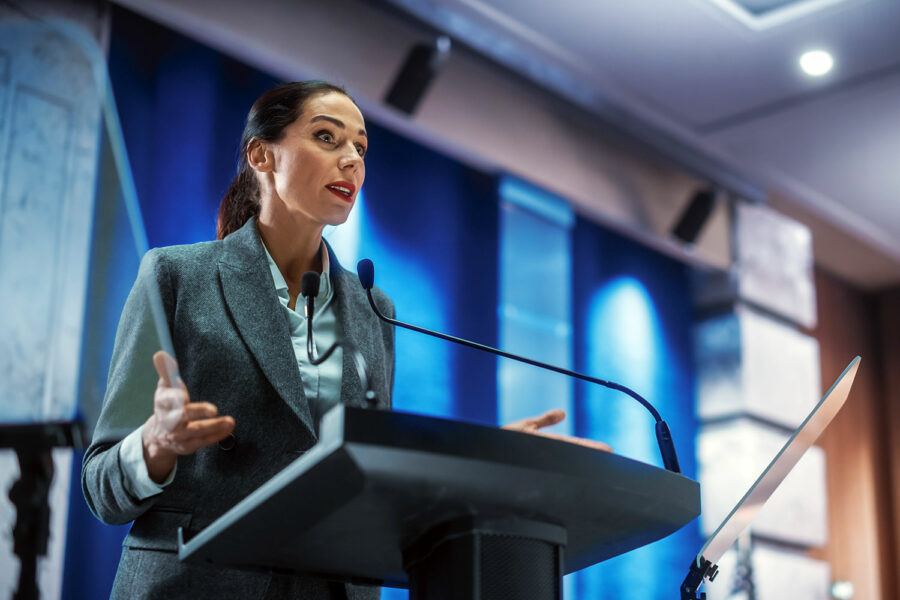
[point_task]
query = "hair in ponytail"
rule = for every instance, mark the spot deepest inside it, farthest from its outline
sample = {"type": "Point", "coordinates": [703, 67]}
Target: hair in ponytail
{"type": "Point", "coordinates": [269, 116]}
{"type": "Point", "coordinates": [240, 202]}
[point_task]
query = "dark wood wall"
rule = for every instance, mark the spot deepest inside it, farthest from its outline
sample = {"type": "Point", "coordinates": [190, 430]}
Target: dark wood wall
{"type": "Point", "coordinates": [862, 451]}
{"type": "Point", "coordinates": [889, 326]}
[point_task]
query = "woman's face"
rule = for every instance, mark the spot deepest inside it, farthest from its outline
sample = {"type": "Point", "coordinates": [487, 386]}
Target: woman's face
{"type": "Point", "coordinates": [317, 167]}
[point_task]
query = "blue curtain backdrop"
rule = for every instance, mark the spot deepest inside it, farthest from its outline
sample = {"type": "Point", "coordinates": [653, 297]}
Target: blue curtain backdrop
{"type": "Point", "coordinates": [431, 225]}
{"type": "Point", "coordinates": [431, 230]}
{"type": "Point", "coordinates": [632, 324]}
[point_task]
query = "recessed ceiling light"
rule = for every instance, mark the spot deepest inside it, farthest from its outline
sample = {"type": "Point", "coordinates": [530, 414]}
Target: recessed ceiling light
{"type": "Point", "coordinates": [816, 63]}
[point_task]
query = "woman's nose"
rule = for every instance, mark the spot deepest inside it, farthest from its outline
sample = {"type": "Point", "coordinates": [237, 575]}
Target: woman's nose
{"type": "Point", "coordinates": [350, 159]}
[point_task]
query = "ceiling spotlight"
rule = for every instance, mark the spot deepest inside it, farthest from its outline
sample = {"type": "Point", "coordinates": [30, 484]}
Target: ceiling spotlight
{"type": "Point", "coordinates": [816, 63]}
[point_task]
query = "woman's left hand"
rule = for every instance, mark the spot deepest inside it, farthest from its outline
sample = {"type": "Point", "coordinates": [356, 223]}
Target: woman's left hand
{"type": "Point", "coordinates": [534, 424]}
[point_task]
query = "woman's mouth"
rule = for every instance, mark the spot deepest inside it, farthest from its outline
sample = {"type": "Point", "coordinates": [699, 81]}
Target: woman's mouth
{"type": "Point", "coordinates": [342, 190]}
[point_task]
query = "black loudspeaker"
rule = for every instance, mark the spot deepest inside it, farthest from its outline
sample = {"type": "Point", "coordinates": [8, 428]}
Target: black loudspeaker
{"type": "Point", "coordinates": [422, 64]}
{"type": "Point", "coordinates": [695, 216]}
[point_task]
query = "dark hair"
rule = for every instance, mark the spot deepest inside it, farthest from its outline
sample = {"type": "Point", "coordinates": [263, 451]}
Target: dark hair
{"type": "Point", "coordinates": [268, 118]}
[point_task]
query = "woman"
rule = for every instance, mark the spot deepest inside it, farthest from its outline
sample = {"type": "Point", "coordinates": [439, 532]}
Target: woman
{"type": "Point", "coordinates": [230, 306]}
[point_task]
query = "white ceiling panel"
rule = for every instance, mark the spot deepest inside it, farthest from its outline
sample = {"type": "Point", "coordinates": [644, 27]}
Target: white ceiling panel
{"type": "Point", "coordinates": [721, 86]}
{"type": "Point", "coordinates": [837, 146]}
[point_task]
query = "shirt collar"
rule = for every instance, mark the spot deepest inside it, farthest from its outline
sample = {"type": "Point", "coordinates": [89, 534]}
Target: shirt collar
{"type": "Point", "coordinates": [281, 287]}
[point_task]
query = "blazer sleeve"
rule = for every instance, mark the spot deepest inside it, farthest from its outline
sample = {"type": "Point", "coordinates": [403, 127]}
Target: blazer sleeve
{"type": "Point", "coordinates": [128, 401]}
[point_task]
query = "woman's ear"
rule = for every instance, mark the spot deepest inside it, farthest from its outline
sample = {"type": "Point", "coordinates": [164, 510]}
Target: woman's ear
{"type": "Point", "coordinates": [259, 157]}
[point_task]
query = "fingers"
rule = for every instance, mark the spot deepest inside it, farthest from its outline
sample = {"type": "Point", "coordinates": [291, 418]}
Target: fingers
{"type": "Point", "coordinates": [169, 399]}
{"type": "Point", "coordinates": [200, 410]}
{"type": "Point", "coordinates": [173, 409]}
{"type": "Point", "coordinates": [198, 434]}
{"type": "Point", "coordinates": [172, 414]}
{"type": "Point", "coordinates": [178, 425]}
{"type": "Point", "coordinates": [203, 442]}
{"type": "Point", "coordinates": [203, 428]}
{"type": "Point", "coordinates": [551, 417]}
{"type": "Point", "coordinates": [533, 426]}
{"type": "Point", "coordinates": [167, 369]}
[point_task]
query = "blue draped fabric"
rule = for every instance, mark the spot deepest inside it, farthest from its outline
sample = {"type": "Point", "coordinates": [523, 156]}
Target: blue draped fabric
{"type": "Point", "coordinates": [431, 230]}
{"type": "Point", "coordinates": [632, 323]}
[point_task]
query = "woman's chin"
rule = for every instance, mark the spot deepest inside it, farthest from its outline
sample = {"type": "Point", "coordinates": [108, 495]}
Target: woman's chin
{"type": "Point", "coordinates": [339, 217]}
{"type": "Point", "coordinates": [333, 216]}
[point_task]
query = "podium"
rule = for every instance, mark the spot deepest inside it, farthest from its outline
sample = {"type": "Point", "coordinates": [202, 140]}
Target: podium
{"type": "Point", "coordinates": [450, 510]}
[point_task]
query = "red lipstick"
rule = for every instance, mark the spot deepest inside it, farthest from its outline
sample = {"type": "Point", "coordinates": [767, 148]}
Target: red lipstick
{"type": "Point", "coordinates": [342, 189]}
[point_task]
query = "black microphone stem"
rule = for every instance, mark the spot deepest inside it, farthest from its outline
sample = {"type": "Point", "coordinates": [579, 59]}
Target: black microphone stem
{"type": "Point", "coordinates": [663, 435]}
{"type": "Point", "coordinates": [310, 310]}
{"type": "Point", "coordinates": [359, 362]}
{"type": "Point", "coordinates": [523, 359]}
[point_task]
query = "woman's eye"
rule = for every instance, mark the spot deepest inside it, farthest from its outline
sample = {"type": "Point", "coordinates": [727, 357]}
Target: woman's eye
{"type": "Point", "coordinates": [361, 149]}
{"type": "Point", "coordinates": [325, 136]}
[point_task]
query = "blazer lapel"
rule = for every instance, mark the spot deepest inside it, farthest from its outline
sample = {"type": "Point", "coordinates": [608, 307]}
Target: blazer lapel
{"type": "Point", "coordinates": [251, 299]}
{"type": "Point", "coordinates": [353, 314]}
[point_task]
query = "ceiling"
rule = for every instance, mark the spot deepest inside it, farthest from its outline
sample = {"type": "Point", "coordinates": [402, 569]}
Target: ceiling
{"type": "Point", "coordinates": [825, 150]}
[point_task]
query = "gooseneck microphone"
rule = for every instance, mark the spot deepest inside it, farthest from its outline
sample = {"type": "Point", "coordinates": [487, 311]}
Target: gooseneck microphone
{"type": "Point", "coordinates": [366, 272]}
{"type": "Point", "coordinates": [309, 288]}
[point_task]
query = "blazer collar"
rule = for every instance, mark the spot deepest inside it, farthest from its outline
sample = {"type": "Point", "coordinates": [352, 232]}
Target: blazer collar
{"type": "Point", "coordinates": [253, 304]}
{"type": "Point", "coordinates": [251, 298]}
{"type": "Point", "coordinates": [357, 325]}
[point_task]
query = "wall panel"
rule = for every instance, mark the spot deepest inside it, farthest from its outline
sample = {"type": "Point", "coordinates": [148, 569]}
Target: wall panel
{"type": "Point", "coordinates": [889, 327]}
{"type": "Point", "coordinates": [860, 548]}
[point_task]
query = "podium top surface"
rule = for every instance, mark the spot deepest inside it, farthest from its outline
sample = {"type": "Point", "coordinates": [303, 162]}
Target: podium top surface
{"type": "Point", "coordinates": [377, 480]}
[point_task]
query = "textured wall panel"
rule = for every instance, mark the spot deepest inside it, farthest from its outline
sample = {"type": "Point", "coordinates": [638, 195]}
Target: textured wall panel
{"type": "Point", "coordinates": [48, 163]}
{"type": "Point", "coordinates": [780, 574]}
{"type": "Point", "coordinates": [774, 263]}
{"type": "Point", "coordinates": [30, 237]}
{"type": "Point", "coordinates": [732, 455]}
{"type": "Point", "coordinates": [777, 574]}
{"type": "Point", "coordinates": [750, 364]}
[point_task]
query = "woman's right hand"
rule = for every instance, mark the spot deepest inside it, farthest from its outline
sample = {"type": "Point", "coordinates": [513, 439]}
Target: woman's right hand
{"type": "Point", "coordinates": [177, 425]}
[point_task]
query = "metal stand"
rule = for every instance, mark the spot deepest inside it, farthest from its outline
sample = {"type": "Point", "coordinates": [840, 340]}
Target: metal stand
{"type": "Point", "coordinates": [700, 569]}
{"type": "Point", "coordinates": [33, 444]}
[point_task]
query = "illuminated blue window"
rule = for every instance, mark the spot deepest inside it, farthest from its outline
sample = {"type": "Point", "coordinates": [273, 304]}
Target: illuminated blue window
{"type": "Point", "coordinates": [534, 301]}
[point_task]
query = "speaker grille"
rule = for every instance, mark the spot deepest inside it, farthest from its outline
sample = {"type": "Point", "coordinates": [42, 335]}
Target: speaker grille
{"type": "Point", "coordinates": [518, 568]}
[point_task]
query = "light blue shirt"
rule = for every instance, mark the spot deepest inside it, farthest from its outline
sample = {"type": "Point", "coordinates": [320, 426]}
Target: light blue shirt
{"type": "Point", "coordinates": [321, 384]}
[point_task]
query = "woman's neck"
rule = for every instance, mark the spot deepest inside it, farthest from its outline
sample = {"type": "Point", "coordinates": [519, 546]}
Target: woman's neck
{"type": "Point", "coordinates": [293, 244]}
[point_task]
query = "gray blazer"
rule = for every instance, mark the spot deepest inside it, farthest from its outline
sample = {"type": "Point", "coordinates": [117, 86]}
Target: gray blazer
{"type": "Point", "coordinates": [233, 345]}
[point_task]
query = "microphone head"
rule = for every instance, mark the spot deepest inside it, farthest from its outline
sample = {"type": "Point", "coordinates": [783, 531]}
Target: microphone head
{"type": "Point", "coordinates": [366, 272]}
{"type": "Point", "coordinates": [309, 284]}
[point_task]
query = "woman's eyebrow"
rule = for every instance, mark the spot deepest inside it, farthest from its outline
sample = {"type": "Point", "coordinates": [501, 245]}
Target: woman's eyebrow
{"type": "Point", "coordinates": [337, 122]}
